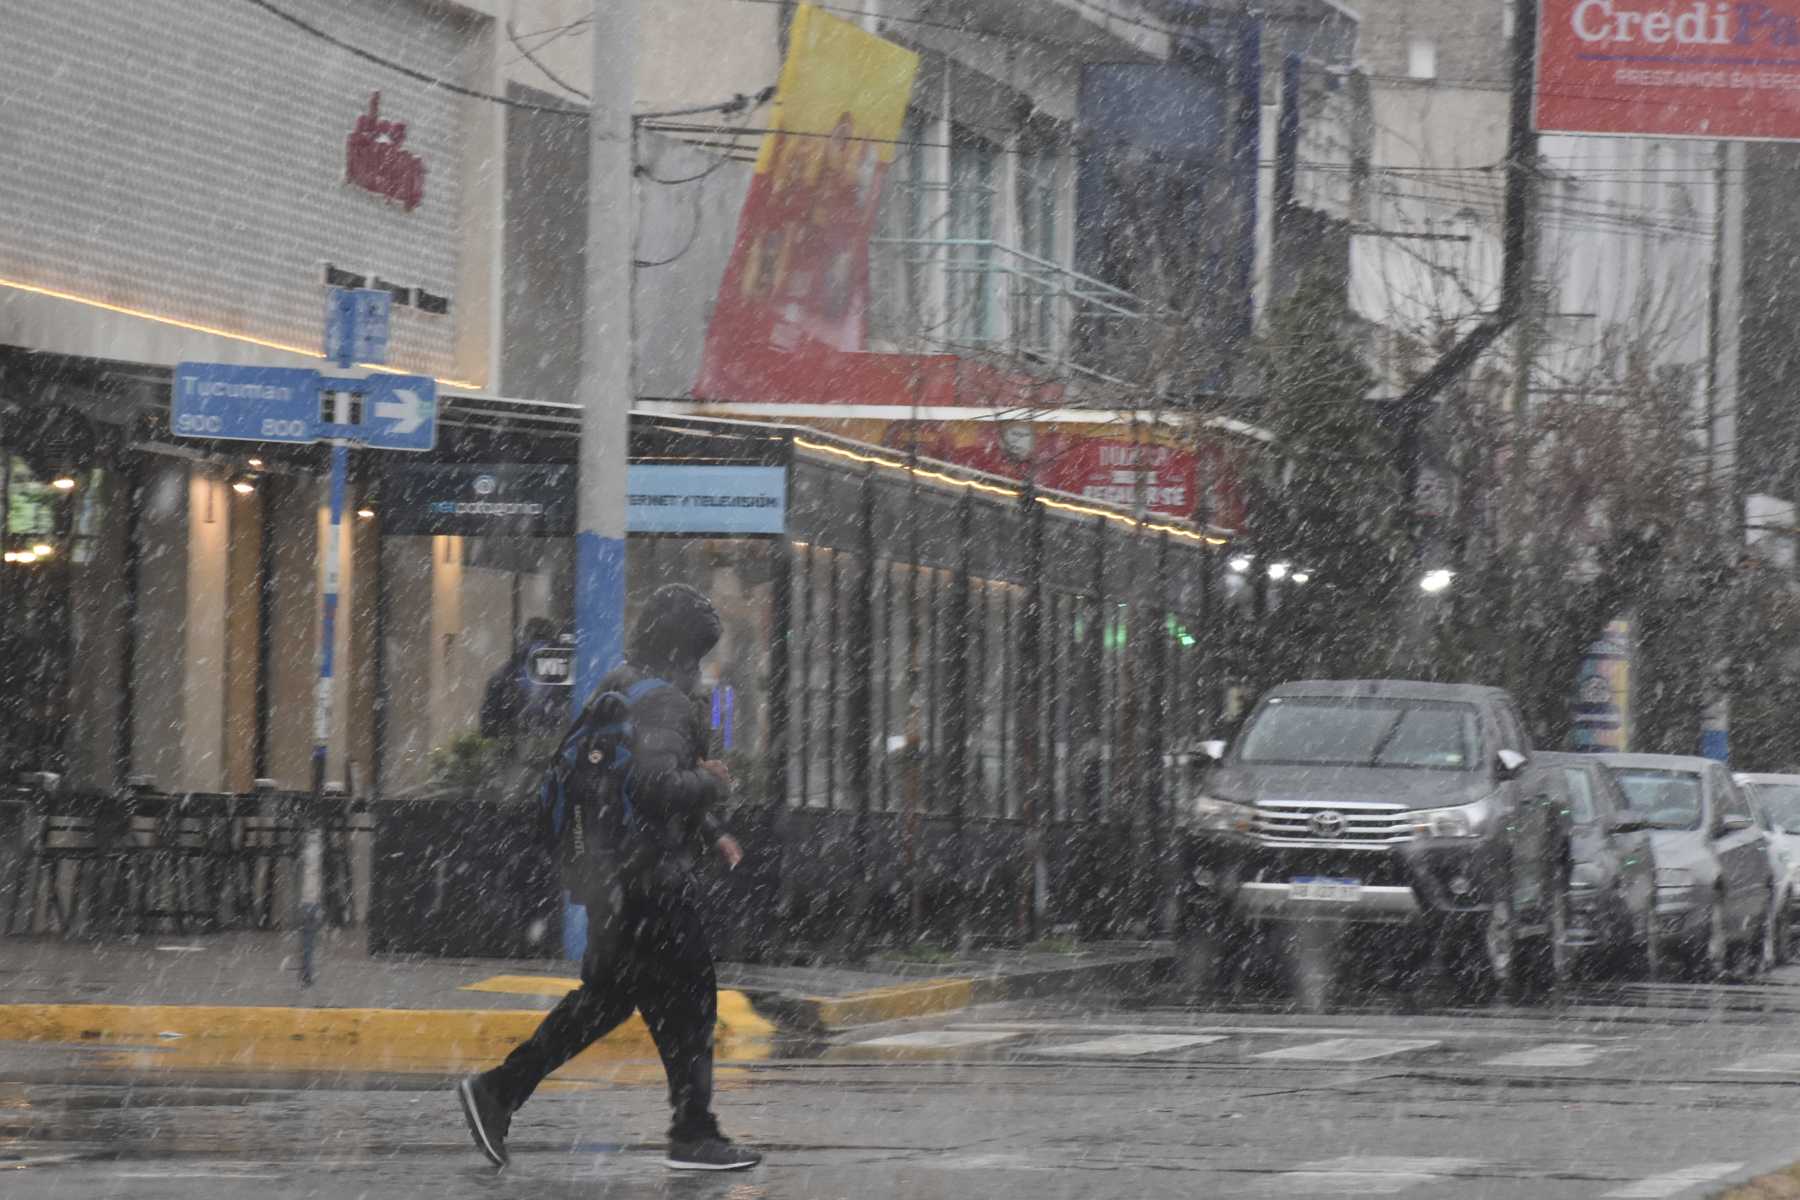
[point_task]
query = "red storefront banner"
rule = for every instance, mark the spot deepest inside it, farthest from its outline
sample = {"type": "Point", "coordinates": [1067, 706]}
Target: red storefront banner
{"type": "Point", "coordinates": [1720, 69]}
{"type": "Point", "coordinates": [1096, 462]}
{"type": "Point", "coordinates": [796, 291]}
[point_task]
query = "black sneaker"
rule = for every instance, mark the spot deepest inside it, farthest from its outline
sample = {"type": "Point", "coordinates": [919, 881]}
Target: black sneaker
{"type": "Point", "coordinates": [710, 1154]}
{"type": "Point", "coordinates": [489, 1120]}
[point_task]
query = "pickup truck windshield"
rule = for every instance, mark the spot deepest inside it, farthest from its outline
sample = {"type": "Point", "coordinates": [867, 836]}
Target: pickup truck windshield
{"type": "Point", "coordinates": [1666, 799]}
{"type": "Point", "coordinates": [1334, 732]}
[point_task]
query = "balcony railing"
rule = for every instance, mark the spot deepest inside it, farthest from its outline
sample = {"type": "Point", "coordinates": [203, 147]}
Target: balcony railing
{"type": "Point", "coordinates": [976, 293]}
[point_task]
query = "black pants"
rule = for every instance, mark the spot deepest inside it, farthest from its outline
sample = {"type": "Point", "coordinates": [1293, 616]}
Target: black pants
{"type": "Point", "coordinates": [650, 956]}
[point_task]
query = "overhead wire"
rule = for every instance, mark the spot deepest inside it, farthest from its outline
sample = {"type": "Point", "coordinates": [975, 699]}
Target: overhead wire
{"type": "Point", "coordinates": [410, 72]}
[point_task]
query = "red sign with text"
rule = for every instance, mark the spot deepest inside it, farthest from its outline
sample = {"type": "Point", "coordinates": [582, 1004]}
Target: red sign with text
{"type": "Point", "coordinates": [1670, 68]}
{"type": "Point", "coordinates": [376, 160]}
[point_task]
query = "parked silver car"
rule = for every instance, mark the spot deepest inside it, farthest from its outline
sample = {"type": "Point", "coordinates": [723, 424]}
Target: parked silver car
{"type": "Point", "coordinates": [1715, 888]}
{"type": "Point", "coordinates": [1777, 801]}
{"type": "Point", "coordinates": [1612, 883]}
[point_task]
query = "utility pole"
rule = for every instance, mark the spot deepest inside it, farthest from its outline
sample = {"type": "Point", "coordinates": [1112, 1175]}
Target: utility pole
{"type": "Point", "coordinates": [1512, 520]}
{"type": "Point", "coordinates": [606, 349]}
{"type": "Point", "coordinates": [606, 366]}
{"type": "Point", "coordinates": [1518, 213]}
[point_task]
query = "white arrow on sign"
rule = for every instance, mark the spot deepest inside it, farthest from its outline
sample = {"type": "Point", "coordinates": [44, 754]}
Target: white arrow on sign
{"type": "Point", "coordinates": [405, 410]}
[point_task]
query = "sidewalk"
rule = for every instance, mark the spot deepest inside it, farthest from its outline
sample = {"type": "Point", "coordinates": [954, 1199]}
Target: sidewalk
{"type": "Point", "coordinates": [235, 999]}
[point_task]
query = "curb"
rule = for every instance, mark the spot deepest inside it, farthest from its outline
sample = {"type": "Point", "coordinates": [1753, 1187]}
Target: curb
{"type": "Point", "coordinates": [370, 1038]}
{"type": "Point", "coordinates": [821, 1015]}
{"type": "Point", "coordinates": [1779, 1185]}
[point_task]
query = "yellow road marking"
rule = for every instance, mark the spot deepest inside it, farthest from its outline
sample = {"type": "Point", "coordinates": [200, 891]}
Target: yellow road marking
{"type": "Point", "coordinates": [369, 1039]}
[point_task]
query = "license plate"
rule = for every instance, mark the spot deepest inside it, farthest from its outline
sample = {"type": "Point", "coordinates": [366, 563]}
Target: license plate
{"type": "Point", "coordinates": [1315, 887]}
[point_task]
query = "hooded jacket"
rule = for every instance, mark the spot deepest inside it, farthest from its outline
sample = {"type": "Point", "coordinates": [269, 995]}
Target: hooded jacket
{"type": "Point", "coordinates": [673, 796]}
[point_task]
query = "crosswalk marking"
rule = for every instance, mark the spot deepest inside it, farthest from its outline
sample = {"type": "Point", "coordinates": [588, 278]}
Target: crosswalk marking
{"type": "Point", "coordinates": [1348, 1049]}
{"type": "Point", "coordinates": [1552, 1054]}
{"type": "Point", "coordinates": [937, 1039]}
{"type": "Point", "coordinates": [1768, 1064]}
{"type": "Point", "coordinates": [1658, 1186]}
{"type": "Point", "coordinates": [1363, 1175]}
{"type": "Point", "coordinates": [1127, 1045]}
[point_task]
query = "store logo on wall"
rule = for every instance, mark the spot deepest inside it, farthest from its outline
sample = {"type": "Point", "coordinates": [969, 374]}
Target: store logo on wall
{"type": "Point", "coordinates": [376, 161]}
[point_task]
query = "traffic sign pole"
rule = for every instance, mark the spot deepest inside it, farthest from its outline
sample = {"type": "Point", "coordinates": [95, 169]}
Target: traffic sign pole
{"type": "Point", "coordinates": [312, 862]}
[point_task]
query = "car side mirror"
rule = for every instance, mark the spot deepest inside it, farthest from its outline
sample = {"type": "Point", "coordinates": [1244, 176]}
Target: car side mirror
{"type": "Point", "coordinates": [1214, 749]}
{"type": "Point", "coordinates": [1511, 763]}
{"type": "Point", "coordinates": [1735, 823]}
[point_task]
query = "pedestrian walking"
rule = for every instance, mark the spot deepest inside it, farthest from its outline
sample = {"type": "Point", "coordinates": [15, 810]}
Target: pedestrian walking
{"type": "Point", "coordinates": [646, 948]}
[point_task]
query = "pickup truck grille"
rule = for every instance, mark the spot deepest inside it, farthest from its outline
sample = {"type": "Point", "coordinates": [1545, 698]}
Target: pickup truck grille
{"type": "Point", "coordinates": [1320, 823]}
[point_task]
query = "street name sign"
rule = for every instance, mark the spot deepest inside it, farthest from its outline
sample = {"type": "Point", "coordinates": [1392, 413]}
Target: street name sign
{"type": "Point", "coordinates": [258, 404]}
{"type": "Point", "coordinates": [292, 404]}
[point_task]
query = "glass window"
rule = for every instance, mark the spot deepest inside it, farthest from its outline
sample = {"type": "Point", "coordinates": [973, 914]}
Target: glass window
{"type": "Point", "coordinates": [1034, 292]}
{"type": "Point", "coordinates": [1583, 808]}
{"type": "Point", "coordinates": [1512, 730]}
{"type": "Point", "coordinates": [1667, 799]}
{"type": "Point", "coordinates": [1730, 800]}
{"type": "Point", "coordinates": [1781, 801]}
{"type": "Point", "coordinates": [971, 283]}
{"type": "Point", "coordinates": [1363, 733]}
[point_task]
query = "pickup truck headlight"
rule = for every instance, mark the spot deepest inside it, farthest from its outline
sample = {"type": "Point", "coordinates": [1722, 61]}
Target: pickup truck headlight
{"type": "Point", "coordinates": [1465, 820]}
{"type": "Point", "coordinates": [1672, 878]}
{"type": "Point", "coordinates": [1210, 813]}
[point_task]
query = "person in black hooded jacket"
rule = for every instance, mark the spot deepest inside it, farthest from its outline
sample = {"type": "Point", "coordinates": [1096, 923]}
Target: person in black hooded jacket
{"type": "Point", "coordinates": [646, 947]}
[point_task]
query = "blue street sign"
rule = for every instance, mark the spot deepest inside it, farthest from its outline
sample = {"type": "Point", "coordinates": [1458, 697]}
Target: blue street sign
{"type": "Point", "coordinates": [259, 404]}
{"type": "Point", "coordinates": [356, 325]}
{"type": "Point", "coordinates": [285, 404]}
{"type": "Point", "coordinates": [399, 412]}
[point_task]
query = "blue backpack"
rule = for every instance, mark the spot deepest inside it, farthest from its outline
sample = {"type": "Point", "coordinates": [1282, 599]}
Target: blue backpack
{"type": "Point", "coordinates": [590, 776]}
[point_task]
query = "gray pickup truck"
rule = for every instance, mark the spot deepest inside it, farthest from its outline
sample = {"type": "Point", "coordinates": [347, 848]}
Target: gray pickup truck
{"type": "Point", "coordinates": [1383, 803]}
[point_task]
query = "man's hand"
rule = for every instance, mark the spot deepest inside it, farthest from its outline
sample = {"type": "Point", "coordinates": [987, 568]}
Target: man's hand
{"type": "Point", "coordinates": [730, 850]}
{"type": "Point", "coordinates": [717, 770]}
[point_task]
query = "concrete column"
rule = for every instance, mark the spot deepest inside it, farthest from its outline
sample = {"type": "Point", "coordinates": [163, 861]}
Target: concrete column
{"type": "Point", "coordinates": [203, 687]}
{"type": "Point", "coordinates": [409, 650]}
{"type": "Point", "coordinates": [97, 670]}
{"type": "Point", "coordinates": [242, 622]}
{"type": "Point", "coordinates": [159, 694]}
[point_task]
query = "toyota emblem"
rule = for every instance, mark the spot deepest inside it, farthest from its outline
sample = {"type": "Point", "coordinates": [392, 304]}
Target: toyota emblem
{"type": "Point", "coordinates": [1328, 824]}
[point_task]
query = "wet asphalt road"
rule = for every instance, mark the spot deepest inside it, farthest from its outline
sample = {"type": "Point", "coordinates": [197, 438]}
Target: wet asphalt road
{"type": "Point", "coordinates": [1645, 1092]}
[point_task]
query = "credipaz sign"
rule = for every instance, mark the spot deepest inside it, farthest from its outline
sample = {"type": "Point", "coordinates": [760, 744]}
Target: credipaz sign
{"type": "Point", "coordinates": [1721, 69]}
{"type": "Point", "coordinates": [524, 500]}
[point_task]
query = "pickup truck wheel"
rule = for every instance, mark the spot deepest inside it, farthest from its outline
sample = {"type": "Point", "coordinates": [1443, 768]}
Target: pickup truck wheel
{"type": "Point", "coordinates": [1479, 954]}
{"type": "Point", "coordinates": [1651, 968]}
{"type": "Point", "coordinates": [1500, 943]}
{"type": "Point", "coordinates": [1213, 953]}
{"type": "Point", "coordinates": [1542, 969]}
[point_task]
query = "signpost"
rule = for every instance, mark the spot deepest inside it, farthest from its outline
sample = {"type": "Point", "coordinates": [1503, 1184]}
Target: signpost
{"type": "Point", "coordinates": [294, 405]}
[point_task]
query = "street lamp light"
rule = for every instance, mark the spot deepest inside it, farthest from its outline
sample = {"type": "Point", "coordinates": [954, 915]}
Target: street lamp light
{"type": "Point", "coordinates": [1301, 577]}
{"type": "Point", "coordinates": [1240, 564]}
{"type": "Point", "coordinates": [1436, 581]}
{"type": "Point", "coordinates": [1278, 571]}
